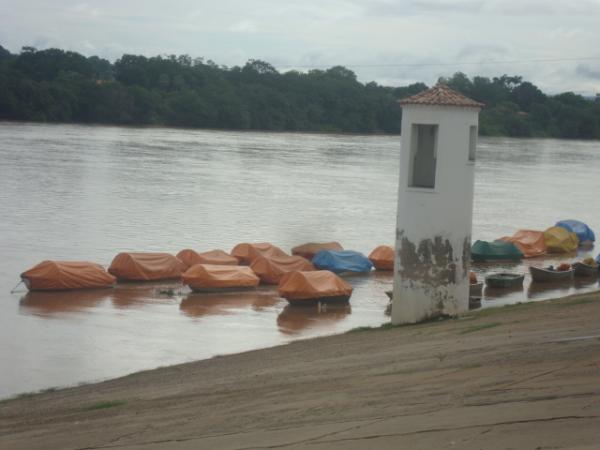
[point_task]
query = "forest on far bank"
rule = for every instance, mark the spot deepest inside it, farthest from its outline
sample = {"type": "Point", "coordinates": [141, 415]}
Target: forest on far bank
{"type": "Point", "coordinates": [54, 85]}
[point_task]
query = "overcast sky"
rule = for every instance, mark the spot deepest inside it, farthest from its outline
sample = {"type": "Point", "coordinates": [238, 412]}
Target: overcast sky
{"type": "Point", "coordinates": [393, 42]}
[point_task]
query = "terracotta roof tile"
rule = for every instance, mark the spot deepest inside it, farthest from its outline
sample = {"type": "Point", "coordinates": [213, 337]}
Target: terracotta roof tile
{"type": "Point", "coordinates": [440, 94]}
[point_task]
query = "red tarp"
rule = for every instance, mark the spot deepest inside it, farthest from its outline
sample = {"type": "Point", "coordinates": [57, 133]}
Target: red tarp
{"type": "Point", "coordinates": [246, 253]}
{"type": "Point", "coordinates": [531, 243]}
{"type": "Point", "coordinates": [217, 257]}
{"type": "Point", "coordinates": [312, 248]}
{"type": "Point", "coordinates": [206, 276]}
{"type": "Point", "coordinates": [61, 275]}
{"type": "Point", "coordinates": [270, 270]}
{"type": "Point", "coordinates": [383, 257]}
{"type": "Point", "coordinates": [313, 285]}
{"type": "Point", "coordinates": [146, 266]}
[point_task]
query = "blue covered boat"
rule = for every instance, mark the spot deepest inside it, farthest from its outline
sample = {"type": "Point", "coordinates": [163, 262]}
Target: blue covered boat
{"type": "Point", "coordinates": [342, 261]}
{"type": "Point", "coordinates": [583, 232]}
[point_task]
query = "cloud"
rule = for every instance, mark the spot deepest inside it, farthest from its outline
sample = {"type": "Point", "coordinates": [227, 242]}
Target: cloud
{"type": "Point", "coordinates": [587, 71]}
{"type": "Point", "coordinates": [388, 41]}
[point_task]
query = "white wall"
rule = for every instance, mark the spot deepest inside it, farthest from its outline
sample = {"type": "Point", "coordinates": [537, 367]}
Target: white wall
{"type": "Point", "coordinates": [436, 219]}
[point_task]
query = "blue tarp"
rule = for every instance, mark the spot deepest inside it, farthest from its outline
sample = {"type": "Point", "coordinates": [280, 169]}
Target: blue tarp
{"type": "Point", "coordinates": [598, 259]}
{"type": "Point", "coordinates": [583, 232]}
{"type": "Point", "coordinates": [342, 261]}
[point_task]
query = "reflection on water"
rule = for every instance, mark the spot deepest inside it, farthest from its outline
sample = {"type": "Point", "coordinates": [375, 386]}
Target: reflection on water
{"type": "Point", "coordinates": [200, 305]}
{"type": "Point", "coordinates": [88, 193]}
{"type": "Point", "coordinates": [294, 319]}
{"type": "Point", "coordinates": [55, 303]}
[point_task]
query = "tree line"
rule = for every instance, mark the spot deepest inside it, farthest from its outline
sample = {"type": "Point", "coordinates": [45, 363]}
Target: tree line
{"type": "Point", "coordinates": [54, 85]}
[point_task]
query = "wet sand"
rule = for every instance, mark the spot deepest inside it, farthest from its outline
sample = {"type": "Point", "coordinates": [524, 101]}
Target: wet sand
{"type": "Point", "coordinates": [524, 376]}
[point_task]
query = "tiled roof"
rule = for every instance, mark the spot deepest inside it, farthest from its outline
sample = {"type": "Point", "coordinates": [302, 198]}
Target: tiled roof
{"type": "Point", "coordinates": [440, 94]}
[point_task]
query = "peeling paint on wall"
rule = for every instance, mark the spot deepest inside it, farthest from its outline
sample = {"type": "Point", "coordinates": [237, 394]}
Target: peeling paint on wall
{"type": "Point", "coordinates": [431, 261]}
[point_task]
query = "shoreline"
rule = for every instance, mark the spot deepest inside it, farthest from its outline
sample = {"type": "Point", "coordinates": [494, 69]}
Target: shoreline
{"type": "Point", "coordinates": [523, 372]}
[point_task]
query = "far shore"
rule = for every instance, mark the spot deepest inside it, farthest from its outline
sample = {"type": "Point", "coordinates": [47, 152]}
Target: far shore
{"type": "Point", "coordinates": [521, 376]}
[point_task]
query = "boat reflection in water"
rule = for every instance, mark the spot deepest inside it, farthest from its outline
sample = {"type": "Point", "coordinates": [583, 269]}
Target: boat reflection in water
{"type": "Point", "coordinates": [56, 303]}
{"type": "Point", "coordinates": [296, 319]}
{"type": "Point", "coordinates": [199, 304]}
{"type": "Point", "coordinates": [137, 294]}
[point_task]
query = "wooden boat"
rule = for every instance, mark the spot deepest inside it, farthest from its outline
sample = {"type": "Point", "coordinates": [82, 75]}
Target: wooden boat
{"type": "Point", "coordinates": [540, 275]}
{"type": "Point", "coordinates": [474, 302]}
{"type": "Point", "coordinates": [475, 290]}
{"type": "Point", "coordinates": [504, 280]}
{"type": "Point", "coordinates": [338, 299]}
{"type": "Point", "coordinates": [313, 287]}
{"type": "Point", "coordinates": [585, 270]}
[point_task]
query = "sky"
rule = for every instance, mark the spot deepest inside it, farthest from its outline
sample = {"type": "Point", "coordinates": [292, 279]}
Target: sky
{"type": "Point", "coordinates": [552, 43]}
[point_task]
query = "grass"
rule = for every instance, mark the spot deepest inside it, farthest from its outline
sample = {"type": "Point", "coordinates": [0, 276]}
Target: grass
{"type": "Point", "coordinates": [104, 405]}
{"type": "Point", "coordinates": [481, 326]}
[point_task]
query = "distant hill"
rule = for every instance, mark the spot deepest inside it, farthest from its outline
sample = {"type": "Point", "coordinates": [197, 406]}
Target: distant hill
{"type": "Point", "coordinates": [54, 85]}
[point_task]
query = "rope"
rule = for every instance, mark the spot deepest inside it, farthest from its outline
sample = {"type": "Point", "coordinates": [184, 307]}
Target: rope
{"type": "Point", "coordinates": [14, 289]}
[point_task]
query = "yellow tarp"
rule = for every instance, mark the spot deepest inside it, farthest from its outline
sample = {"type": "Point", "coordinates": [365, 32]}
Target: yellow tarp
{"type": "Point", "coordinates": [560, 240]}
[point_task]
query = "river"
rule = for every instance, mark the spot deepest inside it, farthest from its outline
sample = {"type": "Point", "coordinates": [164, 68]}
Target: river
{"type": "Point", "coordinates": [89, 192]}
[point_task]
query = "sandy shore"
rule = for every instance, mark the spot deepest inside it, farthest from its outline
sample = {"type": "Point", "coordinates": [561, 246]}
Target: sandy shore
{"type": "Point", "coordinates": [519, 377]}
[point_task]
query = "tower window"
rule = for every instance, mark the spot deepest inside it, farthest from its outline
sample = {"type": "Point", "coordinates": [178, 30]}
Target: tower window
{"type": "Point", "coordinates": [472, 142]}
{"type": "Point", "coordinates": [423, 151]}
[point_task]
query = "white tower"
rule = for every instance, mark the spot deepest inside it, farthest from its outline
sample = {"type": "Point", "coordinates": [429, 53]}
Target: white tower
{"type": "Point", "coordinates": [435, 205]}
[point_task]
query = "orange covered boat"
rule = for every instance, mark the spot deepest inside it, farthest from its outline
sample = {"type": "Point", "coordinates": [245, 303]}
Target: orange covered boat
{"type": "Point", "coordinates": [312, 248]}
{"type": "Point", "coordinates": [146, 266]}
{"type": "Point", "coordinates": [246, 253]}
{"type": "Point", "coordinates": [217, 257]}
{"type": "Point", "coordinates": [218, 278]}
{"type": "Point", "coordinates": [312, 287]}
{"type": "Point", "coordinates": [531, 243]}
{"type": "Point", "coordinates": [66, 275]}
{"type": "Point", "coordinates": [271, 269]}
{"type": "Point", "coordinates": [383, 257]}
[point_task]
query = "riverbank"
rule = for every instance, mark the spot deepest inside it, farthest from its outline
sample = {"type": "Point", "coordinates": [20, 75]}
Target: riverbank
{"type": "Point", "coordinates": [522, 376]}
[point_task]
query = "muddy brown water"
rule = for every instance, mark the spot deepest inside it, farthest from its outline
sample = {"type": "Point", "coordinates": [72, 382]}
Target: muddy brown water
{"type": "Point", "coordinates": [88, 192]}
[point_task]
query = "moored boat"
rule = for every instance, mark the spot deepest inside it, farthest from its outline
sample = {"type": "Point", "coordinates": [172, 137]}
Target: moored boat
{"type": "Point", "coordinates": [476, 290]}
{"type": "Point", "coordinates": [209, 278]}
{"type": "Point", "coordinates": [504, 280]}
{"type": "Point", "coordinates": [551, 275]}
{"type": "Point", "coordinates": [216, 257]}
{"type": "Point", "coordinates": [319, 286]}
{"type": "Point", "coordinates": [66, 275]}
{"type": "Point", "coordinates": [383, 257]}
{"type": "Point", "coordinates": [310, 249]}
{"type": "Point", "coordinates": [495, 251]}
{"type": "Point", "coordinates": [271, 269]}
{"type": "Point", "coordinates": [142, 266]}
{"type": "Point", "coordinates": [581, 269]}
{"type": "Point", "coordinates": [347, 261]}
{"type": "Point", "coordinates": [246, 252]}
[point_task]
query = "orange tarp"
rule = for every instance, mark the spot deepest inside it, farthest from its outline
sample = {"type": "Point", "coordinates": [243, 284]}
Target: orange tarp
{"type": "Point", "coordinates": [61, 275]}
{"type": "Point", "coordinates": [246, 253]}
{"type": "Point", "coordinates": [311, 285]}
{"type": "Point", "coordinates": [204, 276]}
{"type": "Point", "coordinates": [560, 240]}
{"type": "Point", "coordinates": [531, 243]}
{"type": "Point", "coordinates": [270, 270]}
{"type": "Point", "coordinates": [383, 257]}
{"type": "Point", "coordinates": [312, 248]}
{"type": "Point", "coordinates": [218, 257]}
{"type": "Point", "coordinates": [146, 266]}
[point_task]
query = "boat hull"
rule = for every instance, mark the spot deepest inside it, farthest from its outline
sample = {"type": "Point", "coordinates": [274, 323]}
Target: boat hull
{"type": "Point", "coordinates": [539, 275]}
{"type": "Point", "coordinates": [585, 270]}
{"type": "Point", "coordinates": [339, 299]}
{"type": "Point", "coordinates": [504, 280]}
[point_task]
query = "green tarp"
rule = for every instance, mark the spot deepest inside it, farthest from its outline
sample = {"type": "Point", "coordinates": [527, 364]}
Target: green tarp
{"type": "Point", "coordinates": [493, 251]}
